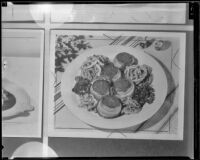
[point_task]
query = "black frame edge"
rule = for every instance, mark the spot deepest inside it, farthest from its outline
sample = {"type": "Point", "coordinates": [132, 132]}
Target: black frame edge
{"type": "Point", "coordinates": [196, 81]}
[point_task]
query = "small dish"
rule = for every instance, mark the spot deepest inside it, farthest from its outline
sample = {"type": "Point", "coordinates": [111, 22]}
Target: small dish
{"type": "Point", "coordinates": [22, 103]}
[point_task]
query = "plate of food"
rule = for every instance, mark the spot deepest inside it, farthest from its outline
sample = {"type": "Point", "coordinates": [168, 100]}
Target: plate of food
{"type": "Point", "coordinates": [15, 100]}
{"type": "Point", "coordinates": [114, 87]}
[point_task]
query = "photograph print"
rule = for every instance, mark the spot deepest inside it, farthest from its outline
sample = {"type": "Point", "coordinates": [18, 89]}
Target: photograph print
{"type": "Point", "coordinates": [22, 82]}
{"type": "Point", "coordinates": [117, 84]}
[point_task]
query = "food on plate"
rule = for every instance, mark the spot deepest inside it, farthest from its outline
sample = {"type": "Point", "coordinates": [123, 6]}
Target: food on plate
{"type": "Point", "coordinates": [100, 87]}
{"type": "Point", "coordinates": [8, 100]}
{"type": "Point", "coordinates": [88, 101]}
{"type": "Point", "coordinates": [147, 81]}
{"type": "Point", "coordinates": [137, 73]}
{"type": "Point", "coordinates": [131, 106]}
{"type": "Point", "coordinates": [109, 107]}
{"type": "Point", "coordinates": [92, 66]}
{"type": "Point", "coordinates": [124, 59]}
{"type": "Point", "coordinates": [111, 71]}
{"type": "Point", "coordinates": [123, 87]}
{"type": "Point", "coordinates": [114, 89]}
{"type": "Point", "coordinates": [144, 94]}
{"type": "Point", "coordinates": [82, 85]}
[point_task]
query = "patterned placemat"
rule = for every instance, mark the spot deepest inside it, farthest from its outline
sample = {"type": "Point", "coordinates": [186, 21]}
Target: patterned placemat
{"type": "Point", "coordinates": [164, 50]}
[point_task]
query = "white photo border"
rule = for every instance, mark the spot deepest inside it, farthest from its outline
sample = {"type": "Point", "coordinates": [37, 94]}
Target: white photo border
{"type": "Point", "coordinates": [52, 132]}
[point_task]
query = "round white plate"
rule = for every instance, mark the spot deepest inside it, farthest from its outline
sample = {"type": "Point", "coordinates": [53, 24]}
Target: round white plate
{"type": "Point", "coordinates": [159, 84]}
{"type": "Point", "coordinates": [22, 99]}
